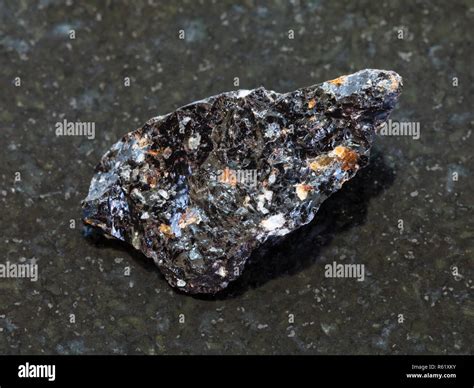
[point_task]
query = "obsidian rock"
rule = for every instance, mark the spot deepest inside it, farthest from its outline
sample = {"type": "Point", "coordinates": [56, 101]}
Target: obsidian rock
{"type": "Point", "coordinates": [199, 189]}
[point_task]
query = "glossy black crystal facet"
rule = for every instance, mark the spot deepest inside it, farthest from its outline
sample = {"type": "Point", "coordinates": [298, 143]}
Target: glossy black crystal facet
{"type": "Point", "coordinates": [197, 190]}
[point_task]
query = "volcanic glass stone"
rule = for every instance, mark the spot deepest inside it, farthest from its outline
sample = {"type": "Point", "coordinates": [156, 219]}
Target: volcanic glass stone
{"type": "Point", "coordinates": [197, 190]}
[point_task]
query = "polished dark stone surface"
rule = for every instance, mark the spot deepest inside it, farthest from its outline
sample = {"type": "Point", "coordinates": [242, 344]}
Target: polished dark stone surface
{"type": "Point", "coordinates": [283, 303]}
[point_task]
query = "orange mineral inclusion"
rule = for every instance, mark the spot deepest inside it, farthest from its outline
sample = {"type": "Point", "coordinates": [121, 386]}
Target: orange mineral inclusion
{"type": "Point", "coordinates": [166, 230]}
{"type": "Point", "coordinates": [344, 155]}
{"type": "Point", "coordinates": [320, 163]}
{"type": "Point", "coordinates": [348, 157]}
{"type": "Point", "coordinates": [338, 81]}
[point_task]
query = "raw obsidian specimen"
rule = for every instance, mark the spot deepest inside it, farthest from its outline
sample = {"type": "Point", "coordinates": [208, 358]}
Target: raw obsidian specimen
{"type": "Point", "coordinates": [197, 190]}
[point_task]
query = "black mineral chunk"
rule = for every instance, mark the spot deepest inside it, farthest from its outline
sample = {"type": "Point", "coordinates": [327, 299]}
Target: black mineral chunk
{"type": "Point", "coordinates": [197, 190]}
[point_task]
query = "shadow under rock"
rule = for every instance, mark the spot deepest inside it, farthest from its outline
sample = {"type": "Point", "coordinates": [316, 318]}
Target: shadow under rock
{"type": "Point", "coordinates": [96, 238]}
{"type": "Point", "coordinates": [289, 255]}
{"type": "Point", "coordinates": [298, 250]}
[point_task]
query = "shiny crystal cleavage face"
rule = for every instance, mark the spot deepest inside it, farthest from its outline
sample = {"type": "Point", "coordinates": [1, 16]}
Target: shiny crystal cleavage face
{"type": "Point", "coordinates": [199, 189]}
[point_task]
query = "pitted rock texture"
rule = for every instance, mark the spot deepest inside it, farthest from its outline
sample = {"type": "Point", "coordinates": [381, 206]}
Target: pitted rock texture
{"type": "Point", "coordinates": [199, 189]}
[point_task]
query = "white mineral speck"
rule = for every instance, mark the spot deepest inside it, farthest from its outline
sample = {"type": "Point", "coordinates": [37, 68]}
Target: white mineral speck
{"type": "Point", "coordinates": [272, 130]}
{"type": "Point", "coordinates": [272, 179]}
{"type": "Point", "coordinates": [194, 254]}
{"type": "Point", "coordinates": [243, 93]}
{"type": "Point", "coordinates": [163, 193]}
{"type": "Point", "coordinates": [222, 272]}
{"type": "Point", "coordinates": [274, 222]}
{"type": "Point", "coordinates": [268, 194]}
{"type": "Point", "coordinates": [261, 204]}
{"type": "Point", "coordinates": [180, 283]}
{"type": "Point", "coordinates": [194, 141]}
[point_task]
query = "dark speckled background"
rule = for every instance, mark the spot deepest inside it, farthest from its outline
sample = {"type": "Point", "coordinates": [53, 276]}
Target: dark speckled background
{"type": "Point", "coordinates": [407, 272]}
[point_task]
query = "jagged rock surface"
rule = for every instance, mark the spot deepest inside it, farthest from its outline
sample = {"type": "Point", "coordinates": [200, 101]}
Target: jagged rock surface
{"type": "Point", "coordinates": [199, 189]}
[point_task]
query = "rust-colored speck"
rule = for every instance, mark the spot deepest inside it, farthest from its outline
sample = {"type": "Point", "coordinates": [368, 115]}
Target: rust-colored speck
{"type": "Point", "coordinates": [154, 153]}
{"type": "Point", "coordinates": [320, 163]}
{"type": "Point", "coordinates": [338, 81]}
{"type": "Point", "coordinates": [348, 157]}
{"type": "Point", "coordinates": [311, 103]}
{"type": "Point", "coordinates": [152, 180]}
{"type": "Point", "coordinates": [166, 230]}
